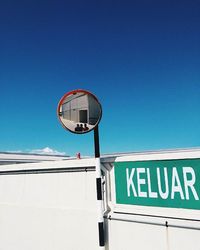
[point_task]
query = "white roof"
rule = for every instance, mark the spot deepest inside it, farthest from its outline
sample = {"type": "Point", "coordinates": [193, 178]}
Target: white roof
{"type": "Point", "coordinates": [13, 158]}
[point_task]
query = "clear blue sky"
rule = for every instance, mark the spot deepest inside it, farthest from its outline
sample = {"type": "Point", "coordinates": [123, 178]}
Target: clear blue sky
{"type": "Point", "coordinates": [140, 58]}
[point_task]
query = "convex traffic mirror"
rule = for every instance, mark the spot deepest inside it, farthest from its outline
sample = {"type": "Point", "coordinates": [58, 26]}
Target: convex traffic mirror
{"type": "Point", "coordinates": [79, 111]}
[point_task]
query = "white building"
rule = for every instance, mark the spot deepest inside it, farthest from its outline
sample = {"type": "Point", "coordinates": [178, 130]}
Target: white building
{"type": "Point", "coordinates": [81, 108]}
{"type": "Point", "coordinates": [53, 204]}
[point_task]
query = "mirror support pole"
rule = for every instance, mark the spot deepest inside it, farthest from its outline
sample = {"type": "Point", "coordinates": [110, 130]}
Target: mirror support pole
{"type": "Point", "coordinates": [99, 189]}
{"type": "Point", "coordinates": [96, 142]}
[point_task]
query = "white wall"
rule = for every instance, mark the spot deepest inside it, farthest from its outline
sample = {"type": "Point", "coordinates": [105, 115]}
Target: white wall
{"type": "Point", "coordinates": [51, 211]}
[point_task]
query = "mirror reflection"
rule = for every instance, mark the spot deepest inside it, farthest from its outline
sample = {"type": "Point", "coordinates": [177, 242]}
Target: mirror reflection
{"type": "Point", "coordinates": [79, 111]}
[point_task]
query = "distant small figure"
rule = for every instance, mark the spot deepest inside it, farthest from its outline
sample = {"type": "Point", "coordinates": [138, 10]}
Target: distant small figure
{"type": "Point", "coordinates": [78, 156]}
{"type": "Point", "coordinates": [81, 127]}
{"type": "Point", "coordinates": [85, 127]}
{"type": "Point", "coordinates": [78, 128]}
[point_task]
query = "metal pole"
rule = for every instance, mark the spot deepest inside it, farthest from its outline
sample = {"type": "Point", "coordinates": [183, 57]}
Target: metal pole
{"type": "Point", "coordinates": [99, 189]}
{"type": "Point", "coordinates": [96, 142]}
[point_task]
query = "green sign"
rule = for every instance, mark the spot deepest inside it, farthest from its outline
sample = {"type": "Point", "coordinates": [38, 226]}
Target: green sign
{"type": "Point", "coordinates": [162, 183]}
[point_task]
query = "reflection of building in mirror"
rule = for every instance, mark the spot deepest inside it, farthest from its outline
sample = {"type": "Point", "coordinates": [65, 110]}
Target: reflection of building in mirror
{"type": "Point", "coordinates": [81, 108]}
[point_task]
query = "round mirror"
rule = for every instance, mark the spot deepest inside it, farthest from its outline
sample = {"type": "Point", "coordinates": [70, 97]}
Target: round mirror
{"type": "Point", "coordinates": [79, 111]}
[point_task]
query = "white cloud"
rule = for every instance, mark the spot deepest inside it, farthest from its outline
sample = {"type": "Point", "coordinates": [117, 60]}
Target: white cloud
{"type": "Point", "coordinates": [46, 150]}
{"type": "Point", "coordinates": [42, 151]}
